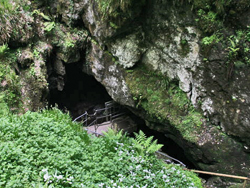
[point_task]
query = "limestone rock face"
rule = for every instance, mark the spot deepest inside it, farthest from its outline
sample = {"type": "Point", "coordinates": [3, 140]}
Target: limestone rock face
{"type": "Point", "coordinates": [34, 89]}
{"type": "Point", "coordinates": [168, 43]}
{"type": "Point", "coordinates": [127, 51]}
{"type": "Point", "coordinates": [109, 74]}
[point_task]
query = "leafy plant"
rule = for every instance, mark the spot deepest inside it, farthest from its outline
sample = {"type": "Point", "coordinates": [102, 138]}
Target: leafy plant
{"type": "Point", "coordinates": [5, 5]}
{"type": "Point", "coordinates": [144, 144]}
{"type": "Point", "coordinates": [208, 20]}
{"type": "Point", "coordinates": [49, 26]}
{"type": "Point", "coordinates": [37, 12]}
{"type": "Point", "coordinates": [210, 40]}
{"type": "Point", "coordinates": [116, 11]}
{"type": "Point", "coordinates": [3, 49]}
{"type": "Point", "coordinates": [111, 6]}
{"type": "Point", "coordinates": [36, 53]}
{"type": "Point", "coordinates": [46, 149]}
{"type": "Point", "coordinates": [9, 80]}
{"type": "Point", "coordinates": [233, 49]}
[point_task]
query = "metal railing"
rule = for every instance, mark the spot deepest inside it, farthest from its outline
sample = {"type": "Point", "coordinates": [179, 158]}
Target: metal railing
{"type": "Point", "coordinates": [102, 116]}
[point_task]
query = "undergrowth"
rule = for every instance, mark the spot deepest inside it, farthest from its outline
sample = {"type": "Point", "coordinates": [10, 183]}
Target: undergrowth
{"type": "Point", "coordinates": [218, 19]}
{"type": "Point", "coordinates": [46, 149]}
{"type": "Point", "coordinates": [9, 80]}
{"type": "Point", "coordinates": [117, 11]}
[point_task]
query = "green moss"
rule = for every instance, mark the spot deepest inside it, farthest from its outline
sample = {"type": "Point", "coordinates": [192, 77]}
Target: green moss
{"type": "Point", "coordinates": [164, 101]}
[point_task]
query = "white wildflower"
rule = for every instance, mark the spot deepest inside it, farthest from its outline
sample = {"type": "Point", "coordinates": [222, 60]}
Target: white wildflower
{"type": "Point", "coordinates": [138, 166]}
{"type": "Point", "coordinates": [46, 177]}
{"type": "Point", "coordinates": [164, 176]}
{"type": "Point", "coordinates": [58, 177]}
{"type": "Point", "coordinates": [142, 161]}
{"type": "Point", "coordinates": [153, 175]}
{"type": "Point", "coordinates": [101, 184]}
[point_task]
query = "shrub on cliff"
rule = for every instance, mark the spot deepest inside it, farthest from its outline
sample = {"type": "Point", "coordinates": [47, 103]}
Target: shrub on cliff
{"type": "Point", "coordinates": [46, 149]}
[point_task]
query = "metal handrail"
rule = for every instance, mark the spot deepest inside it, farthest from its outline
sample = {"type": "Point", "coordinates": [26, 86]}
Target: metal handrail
{"type": "Point", "coordinates": [166, 155]}
{"type": "Point", "coordinates": [109, 105]}
{"type": "Point", "coordinates": [85, 113]}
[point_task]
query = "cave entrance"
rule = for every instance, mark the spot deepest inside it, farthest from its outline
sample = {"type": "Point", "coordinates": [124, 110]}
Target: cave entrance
{"type": "Point", "coordinates": [80, 93]}
{"type": "Point", "coordinates": [170, 147]}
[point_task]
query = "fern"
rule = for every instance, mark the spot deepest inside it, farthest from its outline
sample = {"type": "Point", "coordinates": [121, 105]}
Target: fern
{"type": "Point", "coordinates": [140, 137]}
{"type": "Point", "coordinates": [113, 134]}
{"type": "Point", "coordinates": [144, 144]}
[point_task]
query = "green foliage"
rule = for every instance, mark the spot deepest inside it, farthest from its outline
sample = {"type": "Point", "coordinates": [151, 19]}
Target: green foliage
{"type": "Point", "coordinates": [210, 40]}
{"type": "Point", "coordinates": [69, 43]}
{"type": "Point", "coordinates": [145, 145]}
{"type": "Point", "coordinates": [37, 12]}
{"type": "Point", "coordinates": [46, 149]}
{"type": "Point", "coordinates": [233, 49]}
{"type": "Point", "coordinates": [111, 6]}
{"type": "Point", "coordinates": [36, 53]}
{"type": "Point", "coordinates": [15, 22]}
{"type": "Point", "coordinates": [3, 49]}
{"type": "Point", "coordinates": [238, 48]}
{"type": "Point", "coordinates": [10, 82]}
{"type": "Point", "coordinates": [215, 18]}
{"type": "Point", "coordinates": [6, 14]}
{"type": "Point", "coordinates": [117, 11]}
{"type": "Point", "coordinates": [4, 109]}
{"type": "Point", "coordinates": [49, 26]}
{"type": "Point", "coordinates": [5, 5]}
{"type": "Point", "coordinates": [208, 20]}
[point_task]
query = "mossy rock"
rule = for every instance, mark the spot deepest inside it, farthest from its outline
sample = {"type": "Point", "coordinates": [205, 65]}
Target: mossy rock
{"type": "Point", "coordinates": [164, 101]}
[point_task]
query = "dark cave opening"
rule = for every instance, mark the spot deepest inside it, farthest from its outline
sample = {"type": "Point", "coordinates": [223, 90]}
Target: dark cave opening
{"type": "Point", "coordinates": [170, 147]}
{"type": "Point", "coordinates": [81, 91]}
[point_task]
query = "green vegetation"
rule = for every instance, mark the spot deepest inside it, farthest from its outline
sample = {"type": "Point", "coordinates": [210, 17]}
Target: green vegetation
{"type": "Point", "coordinates": [46, 149]}
{"type": "Point", "coordinates": [164, 101]}
{"type": "Point", "coordinates": [6, 12]}
{"type": "Point", "coordinates": [142, 144]}
{"type": "Point", "coordinates": [110, 7]}
{"type": "Point", "coordinates": [5, 5]}
{"type": "Point", "coordinates": [9, 81]}
{"type": "Point", "coordinates": [215, 18]}
{"type": "Point", "coordinates": [211, 40]}
{"type": "Point", "coordinates": [48, 24]}
{"type": "Point", "coordinates": [14, 22]}
{"type": "Point", "coordinates": [118, 11]}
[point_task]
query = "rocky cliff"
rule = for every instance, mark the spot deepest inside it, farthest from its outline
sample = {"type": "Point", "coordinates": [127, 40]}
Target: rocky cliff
{"type": "Point", "coordinates": [181, 66]}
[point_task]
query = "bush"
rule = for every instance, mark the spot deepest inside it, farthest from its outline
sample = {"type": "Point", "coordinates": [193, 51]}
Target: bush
{"type": "Point", "coordinates": [47, 149]}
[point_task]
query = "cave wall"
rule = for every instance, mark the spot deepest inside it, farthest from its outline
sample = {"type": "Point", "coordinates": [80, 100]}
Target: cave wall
{"type": "Point", "coordinates": [154, 63]}
{"type": "Point", "coordinates": [162, 66]}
